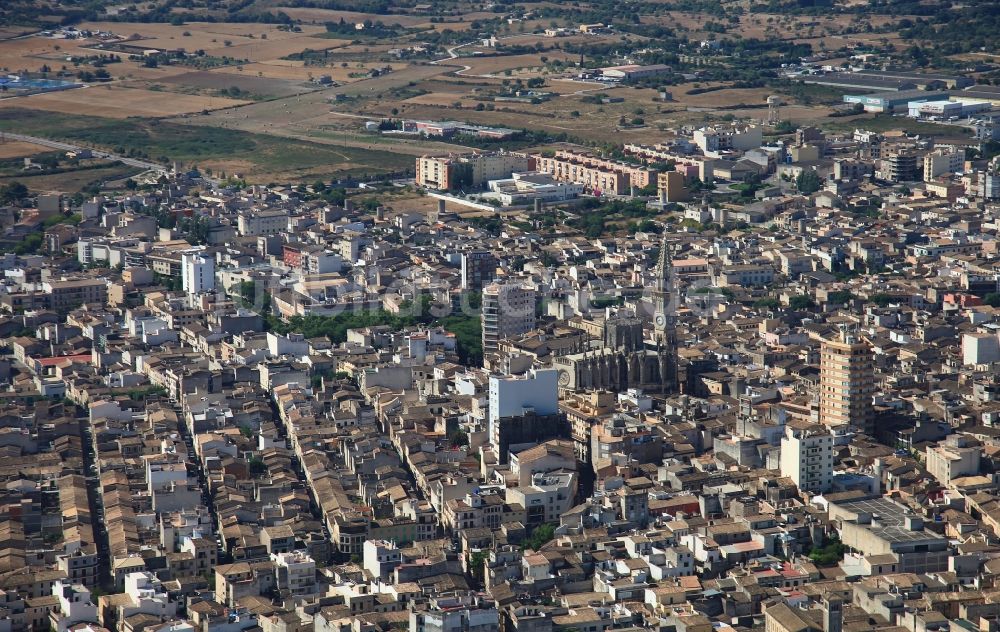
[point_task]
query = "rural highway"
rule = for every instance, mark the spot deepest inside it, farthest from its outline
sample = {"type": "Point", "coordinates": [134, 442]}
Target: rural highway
{"type": "Point", "coordinates": [54, 144]}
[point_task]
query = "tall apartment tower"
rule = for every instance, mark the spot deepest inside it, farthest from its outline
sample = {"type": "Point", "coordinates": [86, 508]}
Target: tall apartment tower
{"type": "Point", "coordinates": [847, 382]}
{"type": "Point", "coordinates": [807, 457]}
{"type": "Point", "coordinates": [508, 310]}
{"type": "Point", "coordinates": [478, 269]}
{"type": "Point", "coordinates": [197, 273]}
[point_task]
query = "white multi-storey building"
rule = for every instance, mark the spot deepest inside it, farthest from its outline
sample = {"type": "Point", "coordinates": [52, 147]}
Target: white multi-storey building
{"type": "Point", "coordinates": [197, 272]}
{"type": "Point", "coordinates": [537, 392]}
{"type": "Point", "coordinates": [295, 572]}
{"type": "Point", "coordinates": [807, 457]}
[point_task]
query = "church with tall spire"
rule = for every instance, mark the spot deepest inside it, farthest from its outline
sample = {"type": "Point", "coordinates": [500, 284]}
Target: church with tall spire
{"type": "Point", "coordinates": [665, 316]}
{"type": "Point", "coordinates": [628, 358]}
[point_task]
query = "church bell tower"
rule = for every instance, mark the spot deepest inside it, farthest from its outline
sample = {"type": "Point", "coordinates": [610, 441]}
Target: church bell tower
{"type": "Point", "coordinates": [665, 317]}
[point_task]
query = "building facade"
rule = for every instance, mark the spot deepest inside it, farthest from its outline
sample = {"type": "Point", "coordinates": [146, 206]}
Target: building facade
{"type": "Point", "coordinates": [847, 382]}
{"type": "Point", "coordinates": [197, 273]}
{"type": "Point", "coordinates": [453, 172]}
{"type": "Point", "coordinates": [508, 310]}
{"type": "Point", "coordinates": [807, 458]}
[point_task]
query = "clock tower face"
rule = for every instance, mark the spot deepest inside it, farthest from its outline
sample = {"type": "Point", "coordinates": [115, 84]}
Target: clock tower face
{"type": "Point", "coordinates": [563, 378]}
{"type": "Point", "coordinates": [661, 320]}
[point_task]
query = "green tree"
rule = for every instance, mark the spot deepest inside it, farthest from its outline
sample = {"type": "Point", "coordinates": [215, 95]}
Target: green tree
{"type": "Point", "coordinates": [830, 553]}
{"type": "Point", "coordinates": [840, 297]}
{"type": "Point", "coordinates": [257, 466]}
{"type": "Point", "coordinates": [12, 193]}
{"type": "Point", "coordinates": [801, 302]}
{"type": "Point", "coordinates": [458, 439]}
{"type": "Point", "coordinates": [808, 182]}
{"type": "Point", "coordinates": [477, 565]}
{"type": "Point", "coordinates": [539, 536]}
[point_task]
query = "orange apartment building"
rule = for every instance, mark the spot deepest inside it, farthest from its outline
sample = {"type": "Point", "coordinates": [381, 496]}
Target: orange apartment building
{"type": "Point", "coordinates": [597, 174]}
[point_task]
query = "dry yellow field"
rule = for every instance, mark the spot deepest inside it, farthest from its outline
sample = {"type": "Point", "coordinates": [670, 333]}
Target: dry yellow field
{"type": "Point", "coordinates": [34, 52]}
{"type": "Point", "coordinates": [266, 50]}
{"type": "Point", "coordinates": [283, 69]}
{"type": "Point", "coordinates": [493, 65]}
{"type": "Point", "coordinates": [319, 16]}
{"type": "Point", "coordinates": [200, 35]}
{"type": "Point", "coordinates": [18, 149]}
{"type": "Point", "coordinates": [444, 99]}
{"type": "Point", "coordinates": [116, 102]}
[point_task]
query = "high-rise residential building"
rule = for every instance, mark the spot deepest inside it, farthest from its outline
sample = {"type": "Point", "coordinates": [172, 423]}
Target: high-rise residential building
{"type": "Point", "coordinates": [807, 457]}
{"type": "Point", "coordinates": [941, 162]}
{"type": "Point", "coordinates": [478, 269]}
{"type": "Point", "coordinates": [899, 167]}
{"type": "Point", "coordinates": [197, 272]}
{"type": "Point", "coordinates": [847, 382]}
{"type": "Point", "coordinates": [508, 310]}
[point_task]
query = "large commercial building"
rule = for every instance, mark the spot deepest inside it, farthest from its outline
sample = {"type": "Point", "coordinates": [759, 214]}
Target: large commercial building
{"type": "Point", "coordinates": [474, 170]}
{"type": "Point", "coordinates": [894, 80]}
{"type": "Point", "coordinates": [508, 310]}
{"type": "Point", "coordinates": [893, 101]}
{"type": "Point", "coordinates": [847, 382]}
{"type": "Point", "coordinates": [807, 457]}
{"type": "Point", "coordinates": [879, 526]}
{"type": "Point", "coordinates": [633, 71]}
{"type": "Point", "coordinates": [947, 108]}
{"type": "Point", "coordinates": [527, 188]}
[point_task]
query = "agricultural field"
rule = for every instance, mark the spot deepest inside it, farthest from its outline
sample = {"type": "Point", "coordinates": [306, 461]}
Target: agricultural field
{"type": "Point", "coordinates": [227, 79]}
{"type": "Point", "coordinates": [257, 157]}
{"type": "Point", "coordinates": [18, 149]}
{"type": "Point", "coordinates": [119, 102]}
{"type": "Point", "coordinates": [74, 181]}
{"type": "Point", "coordinates": [244, 97]}
{"type": "Point", "coordinates": [526, 65]}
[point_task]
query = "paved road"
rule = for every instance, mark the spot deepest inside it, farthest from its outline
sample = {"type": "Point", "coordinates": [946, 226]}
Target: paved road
{"type": "Point", "coordinates": [54, 144]}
